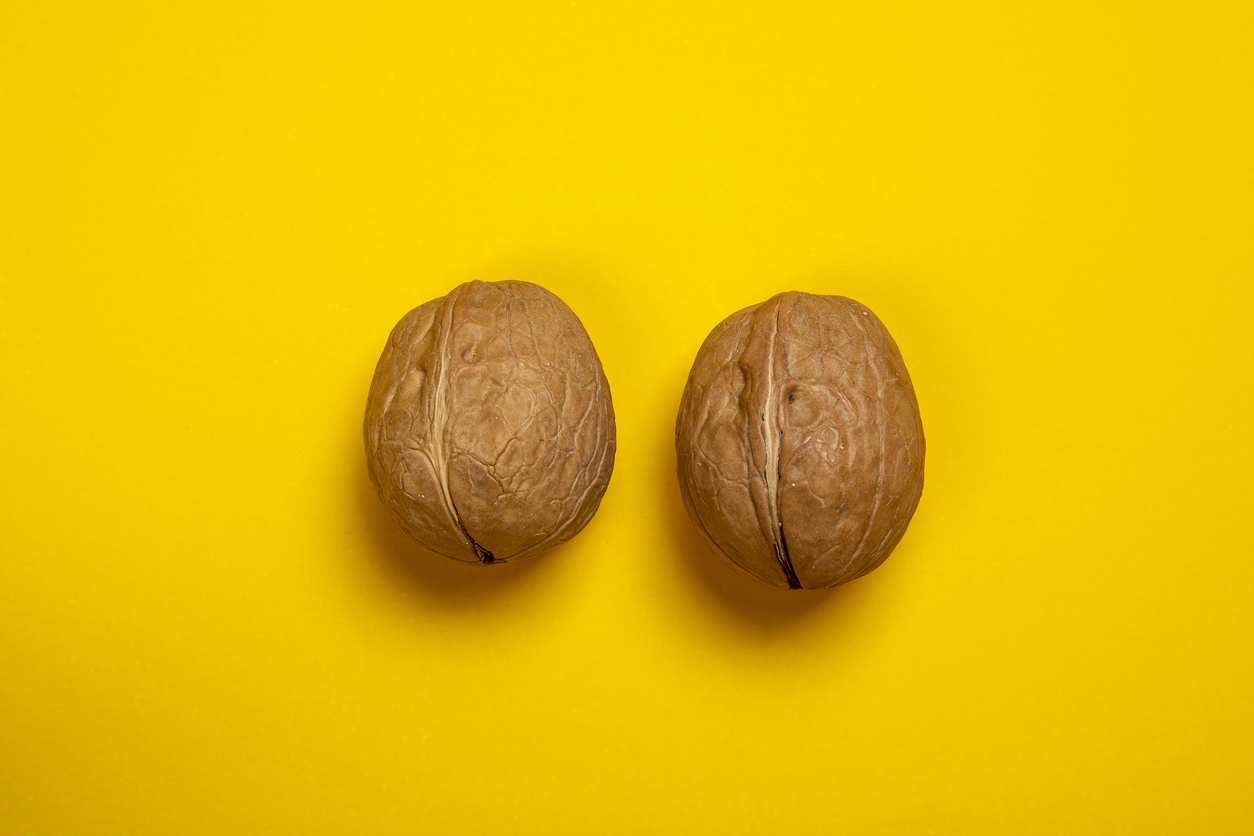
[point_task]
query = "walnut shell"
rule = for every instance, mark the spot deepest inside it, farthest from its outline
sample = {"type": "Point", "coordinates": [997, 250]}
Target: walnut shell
{"type": "Point", "coordinates": [799, 443]}
{"type": "Point", "coordinates": [489, 427]}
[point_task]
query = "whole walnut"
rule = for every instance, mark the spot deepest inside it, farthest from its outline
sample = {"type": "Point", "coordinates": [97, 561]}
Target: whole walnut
{"type": "Point", "coordinates": [799, 442]}
{"type": "Point", "coordinates": [489, 427]}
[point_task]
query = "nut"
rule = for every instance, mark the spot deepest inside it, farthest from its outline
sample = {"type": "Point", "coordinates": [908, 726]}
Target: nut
{"type": "Point", "coordinates": [489, 427]}
{"type": "Point", "coordinates": [799, 444]}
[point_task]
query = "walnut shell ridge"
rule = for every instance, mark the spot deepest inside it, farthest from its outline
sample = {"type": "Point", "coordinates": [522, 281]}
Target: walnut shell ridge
{"type": "Point", "coordinates": [489, 428]}
{"type": "Point", "coordinates": [799, 444]}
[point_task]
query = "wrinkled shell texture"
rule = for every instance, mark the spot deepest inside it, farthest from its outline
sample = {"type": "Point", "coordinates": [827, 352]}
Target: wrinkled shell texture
{"type": "Point", "coordinates": [799, 444]}
{"type": "Point", "coordinates": [489, 427]}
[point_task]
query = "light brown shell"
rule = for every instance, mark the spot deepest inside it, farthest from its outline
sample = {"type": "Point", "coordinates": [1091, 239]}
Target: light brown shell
{"type": "Point", "coordinates": [799, 443]}
{"type": "Point", "coordinates": [489, 427]}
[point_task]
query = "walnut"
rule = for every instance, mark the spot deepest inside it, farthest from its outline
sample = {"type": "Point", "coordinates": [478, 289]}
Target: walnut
{"type": "Point", "coordinates": [799, 443]}
{"type": "Point", "coordinates": [489, 427]}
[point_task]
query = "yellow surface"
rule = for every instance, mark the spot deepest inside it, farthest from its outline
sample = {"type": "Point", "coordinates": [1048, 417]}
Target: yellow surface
{"type": "Point", "coordinates": [211, 217]}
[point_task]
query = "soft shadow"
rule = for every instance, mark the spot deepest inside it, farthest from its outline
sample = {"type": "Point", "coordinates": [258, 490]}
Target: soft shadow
{"type": "Point", "coordinates": [426, 576]}
{"type": "Point", "coordinates": [714, 577]}
{"type": "Point", "coordinates": [433, 576]}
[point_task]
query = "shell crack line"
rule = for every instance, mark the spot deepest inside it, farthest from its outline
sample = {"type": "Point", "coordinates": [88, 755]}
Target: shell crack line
{"type": "Point", "coordinates": [483, 554]}
{"type": "Point", "coordinates": [439, 420]}
{"type": "Point", "coordinates": [776, 451]}
{"type": "Point", "coordinates": [781, 543]}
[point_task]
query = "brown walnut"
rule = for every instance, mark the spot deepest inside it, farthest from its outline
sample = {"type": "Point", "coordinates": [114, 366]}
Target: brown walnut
{"type": "Point", "coordinates": [799, 444]}
{"type": "Point", "coordinates": [489, 427]}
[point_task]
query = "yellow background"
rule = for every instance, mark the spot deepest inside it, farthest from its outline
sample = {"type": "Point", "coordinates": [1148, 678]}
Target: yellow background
{"type": "Point", "coordinates": [211, 216]}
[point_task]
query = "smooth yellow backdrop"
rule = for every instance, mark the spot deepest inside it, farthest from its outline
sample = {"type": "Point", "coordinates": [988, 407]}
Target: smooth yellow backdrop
{"type": "Point", "coordinates": [211, 215]}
